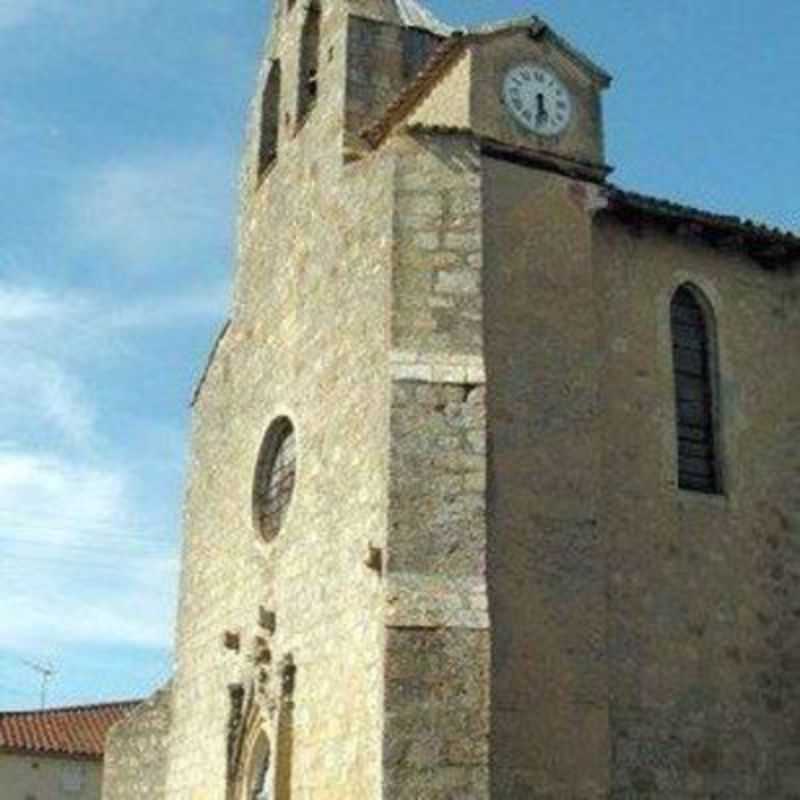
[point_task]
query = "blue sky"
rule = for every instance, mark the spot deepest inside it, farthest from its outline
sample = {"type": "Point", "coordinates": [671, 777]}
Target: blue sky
{"type": "Point", "coordinates": [121, 123]}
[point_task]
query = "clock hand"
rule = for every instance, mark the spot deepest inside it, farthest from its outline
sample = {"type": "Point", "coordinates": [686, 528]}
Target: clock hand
{"type": "Point", "coordinates": [541, 112]}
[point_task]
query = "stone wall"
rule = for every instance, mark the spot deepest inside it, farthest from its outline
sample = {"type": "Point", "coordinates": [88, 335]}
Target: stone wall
{"type": "Point", "coordinates": [547, 559]}
{"type": "Point", "coordinates": [437, 648]}
{"type": "Point", "coordinates": [436, 278]}
{"type": "Point", "coordinates": [703, 614]}
{"type": "Point", "coordinates": [643, 637]}
{"type": "Point", "coordinates": [381, 60]}
{"type": "Point", "coordinates": [135, 764]}
{"type": "Point", "coordinates": [449, 101]}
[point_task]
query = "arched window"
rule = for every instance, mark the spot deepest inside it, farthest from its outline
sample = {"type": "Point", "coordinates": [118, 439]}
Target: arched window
{"type": "Point", "coordinates": [694, 365]}
{"type": "Point", "coordinates": [270, 119]}
{"type": "Point", "coordinates": [309, 62]}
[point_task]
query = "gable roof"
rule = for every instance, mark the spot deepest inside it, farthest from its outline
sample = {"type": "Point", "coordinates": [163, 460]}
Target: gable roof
{"type": "Point", "coordinates": [538, 28]}
{"type": "Point", "coordinates": [448, 52]}
{"type": "Point", "coordinates": [74, 732]}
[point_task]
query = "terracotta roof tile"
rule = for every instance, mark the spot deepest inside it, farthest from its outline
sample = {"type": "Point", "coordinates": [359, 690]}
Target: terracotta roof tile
{"type": "Point", "coordinates": [77, 731]}
{"type": "Point", "coordinates": [668, 207]}
{"type": "Point", "coordinates": [767, 244]}
{"type": "Point", "coordinates": [440, 59]}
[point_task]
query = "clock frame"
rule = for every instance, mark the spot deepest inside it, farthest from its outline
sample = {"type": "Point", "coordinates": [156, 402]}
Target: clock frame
{"type": "Point", "coordinates": [537, 99]}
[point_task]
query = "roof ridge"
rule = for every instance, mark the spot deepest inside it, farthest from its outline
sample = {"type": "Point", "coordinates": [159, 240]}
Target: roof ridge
{"type": "Point", "coordinates": [82, 707]}
{"type": "Point", "coordinates": [415, 15]}
{"type": "Point", "coordinates": [445, 53]}
{"type": "Point", "coordinates": [665, 204]}
{"type": "Point", "coordinates": [74, 731]}
{"type": "Point", "coordinates": [540, 27]}
{"type": "Point", "coordinates": [439, 60]}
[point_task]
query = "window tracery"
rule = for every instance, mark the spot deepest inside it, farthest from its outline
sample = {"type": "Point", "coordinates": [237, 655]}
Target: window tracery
{"type": "Point", "coordinates": [275, 478]}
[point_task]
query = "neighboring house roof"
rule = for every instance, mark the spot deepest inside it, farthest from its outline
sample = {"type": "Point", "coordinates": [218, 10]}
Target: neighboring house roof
{"type": "Point", "coordinates": [76, 732]}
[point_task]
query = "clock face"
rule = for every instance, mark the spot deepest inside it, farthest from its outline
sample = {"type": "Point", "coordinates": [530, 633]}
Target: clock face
{"type": "Point", "coordinates": [537, 99]}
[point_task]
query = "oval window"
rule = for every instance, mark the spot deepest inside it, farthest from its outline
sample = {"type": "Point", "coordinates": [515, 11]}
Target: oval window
{"type": "Point", "coordinates": [275, 478]}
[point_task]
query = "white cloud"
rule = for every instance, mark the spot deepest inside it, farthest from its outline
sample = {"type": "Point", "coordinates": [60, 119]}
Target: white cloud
{"type": "Point", "coordinates": [58, 339]}
{"type": "Point", "coordinates": [28, 313]}
{"type": "Point", "coordinates": [25, 305]}
{"type": "Point", "coordinates": [81, 563]}
{"type": "Point", "coordinates": [46, 490]}
{"type": "Point", "coordinates": [134, 610]}
{"type": "Point", "coordinates": [84, 562]}
{"type": "Point", "coordinates": [156, 210]}
{"type": "Point", "coordinates": [37, 390]}
{"type": "Point", "coordinates": [76, 567]}
{"type": "Point", "coordinates": [40, 393]}
{"type": "Point", "coordinates": [205, 303]}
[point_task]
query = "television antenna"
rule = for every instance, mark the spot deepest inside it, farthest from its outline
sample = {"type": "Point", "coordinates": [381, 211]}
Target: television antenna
{"type": "Point", "coordinates": [46, 671]}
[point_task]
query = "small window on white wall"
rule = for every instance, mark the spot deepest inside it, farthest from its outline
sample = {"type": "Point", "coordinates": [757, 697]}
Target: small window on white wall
{"type": "Point", "coordinates": [73, 778]}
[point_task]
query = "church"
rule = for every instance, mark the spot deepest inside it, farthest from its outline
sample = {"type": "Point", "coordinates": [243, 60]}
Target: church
{"type": "Point", "coordinates": [495, 477]}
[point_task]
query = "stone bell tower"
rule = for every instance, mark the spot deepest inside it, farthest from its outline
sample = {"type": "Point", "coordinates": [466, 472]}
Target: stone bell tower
{"type": "Point", "coordinates": [279, 686]}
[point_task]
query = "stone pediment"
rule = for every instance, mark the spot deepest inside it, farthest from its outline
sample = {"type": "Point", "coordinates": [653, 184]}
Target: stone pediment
{"type": "Point", "coordinates": [461, 88]}
{"type": "Point", "coordinates": [442, 91]}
